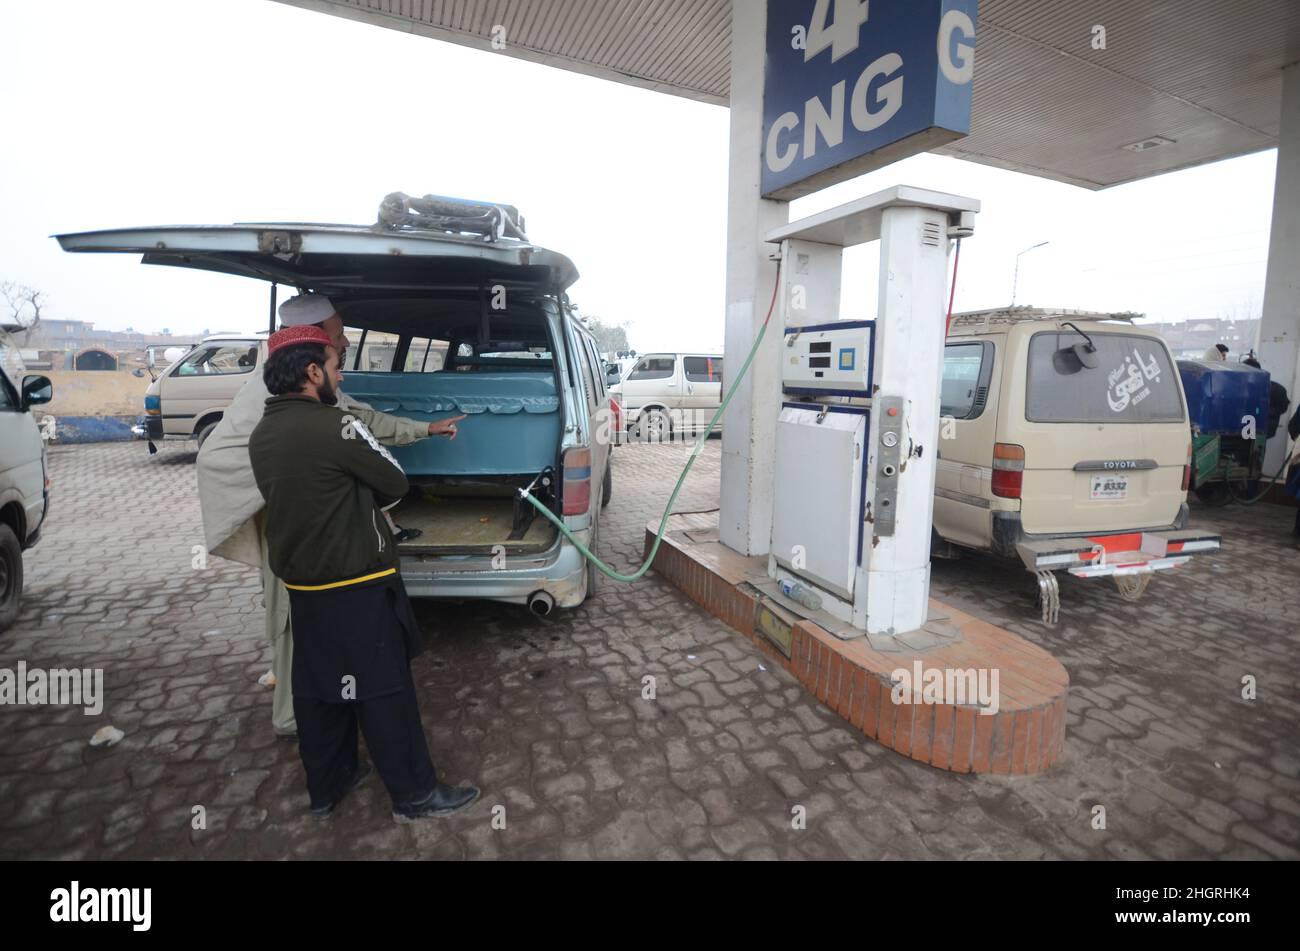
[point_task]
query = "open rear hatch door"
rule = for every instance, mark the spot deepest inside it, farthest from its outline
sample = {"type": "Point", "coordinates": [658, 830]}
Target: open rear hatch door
{"type": "Point", "coordinates": [337, 259]}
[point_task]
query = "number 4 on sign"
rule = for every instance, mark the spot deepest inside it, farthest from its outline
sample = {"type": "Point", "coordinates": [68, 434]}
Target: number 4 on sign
{"type": "Point", "coordinates": [842, 35]}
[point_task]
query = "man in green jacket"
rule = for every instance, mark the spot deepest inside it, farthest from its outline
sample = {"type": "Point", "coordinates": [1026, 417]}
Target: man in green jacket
{"type": "Point", "coordinates": [232, 507]}
{"type": "Point", "coordinates": [325, 478]}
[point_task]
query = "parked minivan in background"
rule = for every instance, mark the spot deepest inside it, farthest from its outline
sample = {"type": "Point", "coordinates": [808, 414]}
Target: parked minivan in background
{"type": "Point", "coordinates": [24, 482]}
{"type": "Point", "coordinates": [668, 394]}
{"type": "Point", "coordinates": [190, 397]}
{"type": "Point", "coordinates": [1064, 443]}
{"type": "Point", "coordinates": [453, 311]}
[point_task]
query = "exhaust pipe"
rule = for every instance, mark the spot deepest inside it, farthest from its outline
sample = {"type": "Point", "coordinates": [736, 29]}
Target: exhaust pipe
{"type": "Point", "coordinates": [541, 603]}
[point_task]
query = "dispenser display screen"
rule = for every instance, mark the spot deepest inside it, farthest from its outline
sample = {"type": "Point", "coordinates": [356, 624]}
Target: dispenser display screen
{"type": "Point", "coordinates": [829, 359]}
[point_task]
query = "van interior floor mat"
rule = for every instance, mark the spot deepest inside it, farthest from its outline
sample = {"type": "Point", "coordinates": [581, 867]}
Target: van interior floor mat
{"type": "Point", "coordinates": [455, 525]}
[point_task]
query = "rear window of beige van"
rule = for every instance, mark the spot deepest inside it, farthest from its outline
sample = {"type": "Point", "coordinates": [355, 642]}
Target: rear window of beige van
{"type": "Point", "coordinates": [1133, 381]}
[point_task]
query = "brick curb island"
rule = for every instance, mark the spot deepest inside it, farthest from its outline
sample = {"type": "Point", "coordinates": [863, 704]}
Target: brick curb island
{"type": "Point", "coordinates": [1024, 736]}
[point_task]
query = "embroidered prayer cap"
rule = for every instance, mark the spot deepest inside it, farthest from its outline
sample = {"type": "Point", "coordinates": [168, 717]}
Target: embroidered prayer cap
{"type": "Point", "coordinates": [296, 336]}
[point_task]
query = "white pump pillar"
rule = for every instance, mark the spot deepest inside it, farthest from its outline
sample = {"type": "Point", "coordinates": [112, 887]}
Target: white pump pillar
{"type": "Point", "coordinates": [892, 585]}
{"type": "Point", "coordinates": [748, 429]}
{"type": "Point", "coordinates": [1279, 333]}
{"type": "Point", "coordinates": [910, 335]}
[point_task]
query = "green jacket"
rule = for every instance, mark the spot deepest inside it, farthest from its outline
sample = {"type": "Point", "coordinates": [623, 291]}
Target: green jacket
{"type": "Point", "coordinates": [324, 478]}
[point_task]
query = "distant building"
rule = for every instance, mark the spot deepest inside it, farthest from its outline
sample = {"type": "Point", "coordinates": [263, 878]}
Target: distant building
{"type": "Point", "coordinates": [1188, 340]}
{"type": "Point", "coordinates": [94, 358]}
{"type": "Point", "coordinates": [66, 344]}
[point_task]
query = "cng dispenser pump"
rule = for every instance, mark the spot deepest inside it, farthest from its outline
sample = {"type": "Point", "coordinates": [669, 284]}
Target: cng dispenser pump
{"type": "Point", "coordinates": [856, 441]}
{"type": "Point", "coordinates": [858, 431]}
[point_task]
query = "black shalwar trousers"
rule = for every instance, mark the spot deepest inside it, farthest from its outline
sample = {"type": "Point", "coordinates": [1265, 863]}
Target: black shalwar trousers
{"type": "Point", "coordinates": [351, 671]}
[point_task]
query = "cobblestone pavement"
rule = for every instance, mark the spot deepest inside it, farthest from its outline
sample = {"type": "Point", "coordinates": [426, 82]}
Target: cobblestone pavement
{"type": "Point", "coordinates": [547, 716]}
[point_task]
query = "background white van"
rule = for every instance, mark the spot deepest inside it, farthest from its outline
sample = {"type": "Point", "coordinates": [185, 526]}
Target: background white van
{"type": "Point", "coordinates": [669, 394]}
{"type": "Point", "coordinates": [24, 484]}
{"type": "Point", "coordinates": [190, 397]}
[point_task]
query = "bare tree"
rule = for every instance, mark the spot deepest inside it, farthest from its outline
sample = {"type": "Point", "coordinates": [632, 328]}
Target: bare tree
{"type": "Point", "coordinates": [23, 306]}
{"type": "Point", "coordinates": [1247, 309]}
{"type": "Point", "coordinates": [609, 337]}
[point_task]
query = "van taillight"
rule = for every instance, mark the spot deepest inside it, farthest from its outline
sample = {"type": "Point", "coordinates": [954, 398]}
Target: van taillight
{"type": "Point", "coordinates": [577, 481]}
{"type": "Point", "coordinates": [1187, 469]}
{"type": "Point", "coordinates": [617, 412]}
{"type": "Point", "coordinates": [1008, 470]}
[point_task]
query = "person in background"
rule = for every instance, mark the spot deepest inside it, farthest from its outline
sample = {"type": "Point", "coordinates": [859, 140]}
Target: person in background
{"type": "Point", "coordinates": [1217, 354]}
{"type": "Point", "coordinates": [1293, 472]}
{"type": "Point", "coordinates": [325, 478]}
{"type": "Point", "coordinates": [1278, 400]}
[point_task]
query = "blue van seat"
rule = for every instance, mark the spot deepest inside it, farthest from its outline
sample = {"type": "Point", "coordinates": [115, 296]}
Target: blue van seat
{"type": "Point", "coordinates": [514, 423]}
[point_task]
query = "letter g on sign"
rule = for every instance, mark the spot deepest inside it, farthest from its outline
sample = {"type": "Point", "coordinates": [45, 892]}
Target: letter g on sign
{"type": "Point", "coordinates": [957, 60]}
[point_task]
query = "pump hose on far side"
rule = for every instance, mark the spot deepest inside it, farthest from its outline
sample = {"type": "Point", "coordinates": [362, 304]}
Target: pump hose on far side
{"type": "Point", "coordinates": [1286, 462]}
{"type": "Point", "coordinates": [663, 522]}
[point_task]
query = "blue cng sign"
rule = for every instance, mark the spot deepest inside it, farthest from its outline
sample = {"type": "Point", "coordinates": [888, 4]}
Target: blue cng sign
{"type": "Point", "coordinates": [853, 85]}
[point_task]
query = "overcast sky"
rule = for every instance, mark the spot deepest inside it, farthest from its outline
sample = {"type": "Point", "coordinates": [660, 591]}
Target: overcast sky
{"type": "Point", "coordinates": [140, 112]}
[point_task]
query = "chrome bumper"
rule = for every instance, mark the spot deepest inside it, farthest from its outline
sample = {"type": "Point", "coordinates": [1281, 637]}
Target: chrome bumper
{"type": "Point", "coordinates": [1121, 555]}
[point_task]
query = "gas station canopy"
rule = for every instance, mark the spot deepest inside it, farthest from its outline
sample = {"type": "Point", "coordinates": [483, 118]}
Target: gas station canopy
{"type": "Point", "coordinates": [1179, 82]}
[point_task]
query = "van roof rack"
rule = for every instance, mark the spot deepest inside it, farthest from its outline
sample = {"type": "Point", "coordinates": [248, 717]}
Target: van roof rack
{"type": "Point", "coordinates": [451, 217]}
{"type": "Point", "coordinates": [981, 319]}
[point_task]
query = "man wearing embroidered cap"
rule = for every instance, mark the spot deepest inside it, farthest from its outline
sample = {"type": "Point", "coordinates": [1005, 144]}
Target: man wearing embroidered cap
{"type": "Point", "coordinates": [324, 478]}
{"type": "Point", "coordinates": [231, 504]}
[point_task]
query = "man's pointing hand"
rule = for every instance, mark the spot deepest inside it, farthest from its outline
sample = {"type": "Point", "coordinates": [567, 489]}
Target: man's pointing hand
{"type": "Point", "coordinates": [445, 427]}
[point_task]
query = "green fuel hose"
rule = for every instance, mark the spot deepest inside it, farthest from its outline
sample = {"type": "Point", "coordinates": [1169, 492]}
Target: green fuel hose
{"type": "Point", "coordinates": [699, 445]}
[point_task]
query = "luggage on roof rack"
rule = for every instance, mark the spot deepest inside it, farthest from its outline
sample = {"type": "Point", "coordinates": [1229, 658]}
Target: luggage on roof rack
{"type": "Point", "coordinates": [1011, 315]}
{"type": "Point", "coordinates": [451, 216]}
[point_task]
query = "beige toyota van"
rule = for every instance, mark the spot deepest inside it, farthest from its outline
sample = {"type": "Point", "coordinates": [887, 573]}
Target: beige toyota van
{"type": "Point", "coordinates": [188, 399]}
{"type": "Point", "coordinates": [1064, 442]}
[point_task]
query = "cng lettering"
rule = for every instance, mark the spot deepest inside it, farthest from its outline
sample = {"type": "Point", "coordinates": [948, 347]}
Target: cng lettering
{"type": "Point", "coordinates": [855, 84]}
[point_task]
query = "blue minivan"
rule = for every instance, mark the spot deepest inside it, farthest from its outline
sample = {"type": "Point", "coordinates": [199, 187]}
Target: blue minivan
{"type": "Point", "coordinates": [451, 311]}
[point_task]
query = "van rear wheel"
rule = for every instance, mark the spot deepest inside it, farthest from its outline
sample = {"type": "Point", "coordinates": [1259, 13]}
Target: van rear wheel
{"type": "Point", "coordinates": [607, 486]}
{"type": "Point", "coordinates": [11, 576]}
{"type": "Point", "coordinates": [206, 431]}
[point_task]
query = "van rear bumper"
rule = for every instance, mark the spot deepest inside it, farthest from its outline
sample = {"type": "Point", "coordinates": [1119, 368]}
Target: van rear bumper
{"type": "Point", "coordinates": [1008, 533]}
{"type": "Point", "coordinates": [561, 573]}
{"type": "Point", "coordinates": [1116, 554]}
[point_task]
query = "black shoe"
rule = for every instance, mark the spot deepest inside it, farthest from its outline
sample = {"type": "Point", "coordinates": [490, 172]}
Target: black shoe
{"type": "Point", "coordinates": [443, 801]}
{"type": "Point", "coordinates": [359, 777]}
{"type": "Point", "coordinates": [408, 535]}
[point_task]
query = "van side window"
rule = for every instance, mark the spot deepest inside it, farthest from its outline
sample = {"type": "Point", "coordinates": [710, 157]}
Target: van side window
{"type": "Point", "coordinates": [703, 369]}
{"type": "Point", "coordinates": [219, 360]}
{"type": "Point", "coordinates": [966, 371]}
{"type": "Point", "coordinates": [597, 370]}
{"type": "Point", "coordinates": [584, 353]}
{"type": "Point", "coordinates": [425, 355]}
{"type": "Point", "coordinates": [378, 351]}
{"type": "Point", "coordinates": [8, 399]}
{"type": "Point", "coordinates": [655, 368]}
